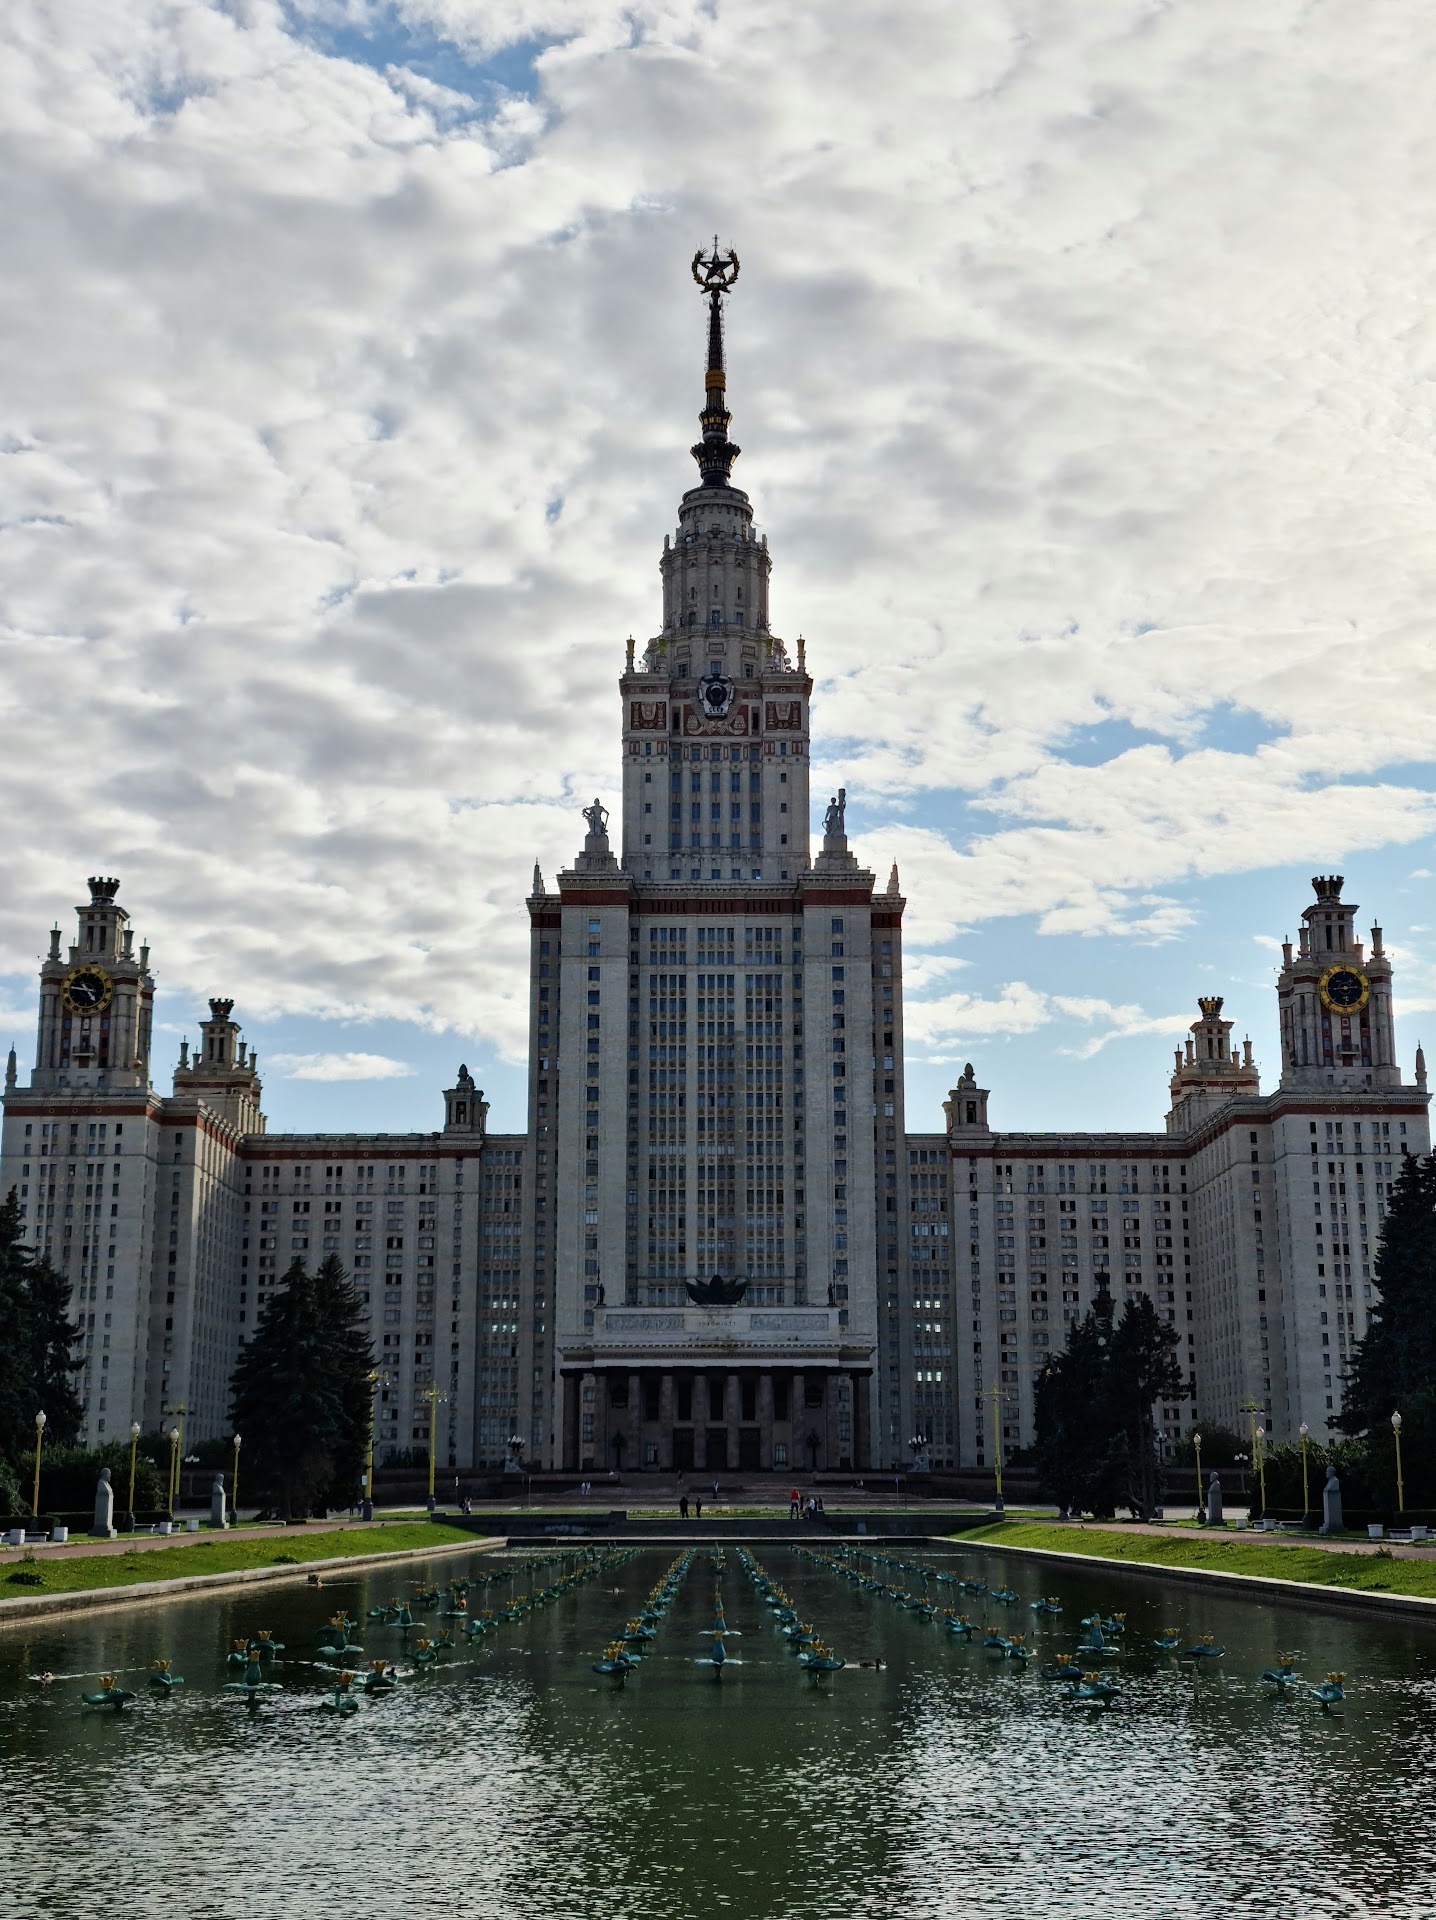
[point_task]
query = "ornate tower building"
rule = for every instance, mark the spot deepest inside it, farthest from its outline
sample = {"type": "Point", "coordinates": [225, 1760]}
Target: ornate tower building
{"type": "Point", "coordinates": [1337, 1028]}
{"type": "Point", "coordinates": [714, 1099]}
{"type": "Point", "coordinates": [714, 1247]}
{"type": "Point", "coordinates": [96, 1002]}
{"type": "Point", "coordinates": [1209, 1071]}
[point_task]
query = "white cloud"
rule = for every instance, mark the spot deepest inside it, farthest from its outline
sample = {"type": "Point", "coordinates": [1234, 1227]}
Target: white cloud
{"type": "Point", "coordinates": [1082, 356]}
{"type": "Point", "coordinates": [336, 1066]}
{"type": "Point", "coordinates": [958, 1018]}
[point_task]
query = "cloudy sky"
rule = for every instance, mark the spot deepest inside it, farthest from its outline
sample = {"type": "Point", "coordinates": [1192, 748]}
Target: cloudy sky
{"type": "Point", "coordinates": [1083, 363]}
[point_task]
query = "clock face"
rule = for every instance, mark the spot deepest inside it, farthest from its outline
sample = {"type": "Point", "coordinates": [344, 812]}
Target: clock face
{"type": "Point", "coordinates": [87, 990]}
{"type": "Point", "coordinates": [715, 697]}
{"type": "Point", "coordinates": [1345, 989]}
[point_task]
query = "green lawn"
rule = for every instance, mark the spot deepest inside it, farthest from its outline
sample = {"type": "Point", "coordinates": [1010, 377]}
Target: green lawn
{"type": "Point", "coordinates": [61, 1573]}
{"type": "Point", "coordinates": [1268, 1559]}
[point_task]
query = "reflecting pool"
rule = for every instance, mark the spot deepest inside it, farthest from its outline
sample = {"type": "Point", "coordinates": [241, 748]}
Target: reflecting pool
{"type": "Point", "coordinates": [508, 1781]}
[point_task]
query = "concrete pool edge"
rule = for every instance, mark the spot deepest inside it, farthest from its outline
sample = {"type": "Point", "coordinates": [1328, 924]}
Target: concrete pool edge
{"type": "Point", "coordinates": [1296, 1592]}
{"type": "Point", "coordinates": [38, 1606]}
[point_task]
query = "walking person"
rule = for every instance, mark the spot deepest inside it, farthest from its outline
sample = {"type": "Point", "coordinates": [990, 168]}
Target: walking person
{"type": "Point", "coordinates": [698, 1506]}
{"type": "Point", "coordinates": [683, 1506]}
{"type": "Point", "coordinates": [794, 1505]}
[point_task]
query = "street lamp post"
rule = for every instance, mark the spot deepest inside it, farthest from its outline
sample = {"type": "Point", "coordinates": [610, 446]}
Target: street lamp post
{"type": "Point", "coordinates": [996, 1395]}
{"type": "Point", "coordinates": [435, 1400]}
{"type": "Point", "coordinates": [234, 1481]}
{"type": "Point", "coordinates": [134, 1443]}
{"type": "Point", "coordinates": [1201, 1496]}
{"type": "Point", "coordinates": [366, 1508]}
{"type": "Point", "coordinates": [176, 1445]}
{"type": "Point", "coordinates": [1400, 1484]}
{"type": "Point", "coordinates": [39, 1442]}
{"type": "Point", "coordinates": [1304, 1430]}
{"type": "Point", "coordinates": [1258, 1450]}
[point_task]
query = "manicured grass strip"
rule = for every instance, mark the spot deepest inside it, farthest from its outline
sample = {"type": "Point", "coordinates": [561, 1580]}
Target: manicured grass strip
{"type": "Point", "coordinates": [96, 1570]}
{"type": "Point", "coordinates": [1269, 1559]}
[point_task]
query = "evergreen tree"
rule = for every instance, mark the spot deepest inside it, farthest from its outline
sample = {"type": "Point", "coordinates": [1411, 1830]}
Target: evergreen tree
{"type": "Point", "coordinates": [18, 1405]}
{"type": "Point", "coordinates": [1144, 1369]}
{"type": "Point", "coordinates": [53, 1338]}
{"type": "Point", "coordinates": [1073, 1451]}
{"type": "Point", "coordinates": [37, 1344]}
{"type": "Point", "coordinates": [1096, 1444]}
{"type": "Point", "coordinates": [1394, 1369]}
{"type": "Point", "coordinates": [286, 1398]}
{"type": "Point", "coordinates": [351, 1362]}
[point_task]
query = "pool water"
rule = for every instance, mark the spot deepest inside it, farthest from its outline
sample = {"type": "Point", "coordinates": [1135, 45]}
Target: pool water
{"type": "Point", "coordinates": [513, 1783]}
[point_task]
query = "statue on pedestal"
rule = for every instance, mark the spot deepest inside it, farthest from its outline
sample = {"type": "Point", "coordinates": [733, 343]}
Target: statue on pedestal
{"type": "Point", "coordinates": [104, 1523]}
{"type": "Point", "coordinates": [1214, 1500]}
{"type": "Point", "coordinates": [597, 818]}
{"type": "Point", "coordinates": [1331, 1520]}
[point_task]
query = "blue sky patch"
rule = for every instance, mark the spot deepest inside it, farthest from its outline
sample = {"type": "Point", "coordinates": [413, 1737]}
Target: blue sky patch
{"type": "Point", "coordinates": [387, 40]}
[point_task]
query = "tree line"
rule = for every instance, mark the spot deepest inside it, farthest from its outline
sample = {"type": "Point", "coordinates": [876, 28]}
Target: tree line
{"type": "Point", "coordinates": [300, 1394]}
{"type": "Point", "coordinates": [38, 1359]}
{"type": "Point", "coordinates": [1096, 1447]}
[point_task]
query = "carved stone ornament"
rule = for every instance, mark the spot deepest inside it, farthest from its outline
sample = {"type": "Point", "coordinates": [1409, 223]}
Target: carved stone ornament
{"type": "Point", "coordinates": [649, 716]}
{"type": "Point", "coordinates": [730, 723]}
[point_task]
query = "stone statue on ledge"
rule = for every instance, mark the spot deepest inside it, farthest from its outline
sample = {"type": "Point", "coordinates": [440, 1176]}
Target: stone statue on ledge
{"type": "Point", "coordinates": [716, 1292]}
{"type": "Point", "coordinates": [597, 818]}
{"type": "Point", "coordinates": [835, 819]}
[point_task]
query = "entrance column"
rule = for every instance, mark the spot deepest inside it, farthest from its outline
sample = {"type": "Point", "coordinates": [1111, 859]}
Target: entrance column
{"type": "Point", "coordinates": [862, 1423]}
{"type": "Point", "coordinates": [765, 1420]}
{"type": "Point", "coordinates": [665, 1423]}
{"type": "Point", "coordinates": [591, 1423]}
{"type": "Point", "coordinates": [732, 1413]}
{"type": "Point", "coordinates": [568, 1459]}
{"type": "Point", "coordinates": [633, 1452]}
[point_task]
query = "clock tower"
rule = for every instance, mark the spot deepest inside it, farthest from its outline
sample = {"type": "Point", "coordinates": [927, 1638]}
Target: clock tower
{"type": "Point", "coordinates": [96, 1002]}
{"type": "Point", "coordinates": [1337, 1028]}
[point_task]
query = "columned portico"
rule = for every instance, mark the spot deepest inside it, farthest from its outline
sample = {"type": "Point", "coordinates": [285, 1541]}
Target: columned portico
{"type": "Point", "coordinates": [717, 1391]}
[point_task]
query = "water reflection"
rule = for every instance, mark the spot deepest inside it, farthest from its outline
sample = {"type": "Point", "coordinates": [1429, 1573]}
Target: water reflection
{"type": "Point", "coordinates": [516, 1784]}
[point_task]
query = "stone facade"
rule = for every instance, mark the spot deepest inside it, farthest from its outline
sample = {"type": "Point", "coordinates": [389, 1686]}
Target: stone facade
{"type": "Point", "coordinates": [716, 1092]}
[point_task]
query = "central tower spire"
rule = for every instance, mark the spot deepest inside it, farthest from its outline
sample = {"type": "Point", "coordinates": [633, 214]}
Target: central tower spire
{"type": "Point", "coordinates": [715, 452]}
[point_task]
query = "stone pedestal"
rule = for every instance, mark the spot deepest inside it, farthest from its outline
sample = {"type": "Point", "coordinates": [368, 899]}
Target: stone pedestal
{"type": "Point", "coordinates": [1331, 1521]}
{"type": "Point", "coordinates": [104, 1522]}
{"type": "Point", "coordinates": [217, 1516]}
